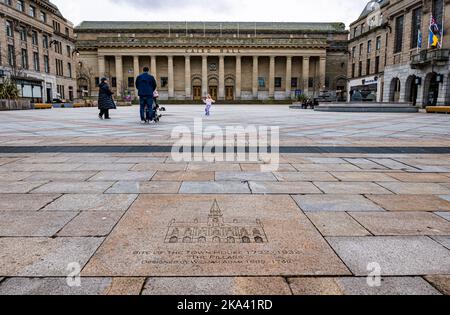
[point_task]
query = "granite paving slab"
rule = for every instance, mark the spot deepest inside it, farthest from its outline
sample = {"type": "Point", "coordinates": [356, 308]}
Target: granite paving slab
{"type": "Point", "coordinates": [73, 188]}
{"type": "Point", "coordinates": [396, 255]}
{"type": "Point", "coordinates": [416, 188]}
{"type": "Point", "coordinates": [14, 176]}
{"type": "Point", "coordinates": [410, 202]}
{"type": "Point", "coordinates": [19, 187]}
{"type": "Point", "coordinates": [60, 176]}
{"type": "Point", "coordinates": [181, 176]}
{"type": "Point", "coordinates": [92, 223]}
{"type": "Point", "coordinates": [364, 177]}
{"type": "Point", "coordinates": [44, 257]}
{"type": "Point", "coordinates": [335, 203]}
{"type": "Point", "coordinates": [92, 202]}
{"type": "Point", "coordinates": [445, 215]}
{"type": "Point", "coordinates": [248, 167]}
{"type": "Point", "coordinates": [283, 188]}
{"type": "Point", "coordinates": [359, 286]}
{"type": "Point", "coordinates": [443, 240]}
{"type": "Point", "coordinates": [214, 188]}
{"type": "Point", "coordinates": [123, 176]}
{"type": "Point", "coordinates": [305, 177]}
{"type": "Point", "coordinates": [214, 167]}
{"type": "Point", "coordinates": [245, 176]}
{"type": "Point", "coordinates": [60, 167]}
{"type": "Point", "coordinates": [441, 283]}
{"type": "Point", "coordinates": [153, 187]}
{"type": "Point", "coordinates": [105, 167]}
{"type": "Point", "coordinates": [420, 178]}
{"type": "Point", "coordinates": [402, 223]}
{"type": "Point", "coordinates": [336, 224]}
{"type": "Point", "coordinates": [25, 202]}
{"type": "Point", "coordinates": [32, 224]}
{"type": "Point", "coordinates": [351, 188]}
{"type": "Point", "coordinates": [159, 167]}
{"type": "Point", "coordinates": [169, 235]}
{"type": "Point", "coordinates": [59, 286]}
{"type": "Point", "coordinates": [325, 167]}
{"type": "Point", "coordinates": [217, 286]}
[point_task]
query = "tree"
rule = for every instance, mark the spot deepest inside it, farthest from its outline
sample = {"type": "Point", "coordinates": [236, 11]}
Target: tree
{"type": "Point", "coordinates": [9, 90]}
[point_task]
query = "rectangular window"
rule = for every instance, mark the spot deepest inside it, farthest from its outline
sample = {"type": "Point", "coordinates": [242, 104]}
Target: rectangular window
{"type": "Point", "coordinates": [9, 29]}
{"type": "Point", "coordinates": [377, 64]}
{"type": "Point", "coordinates": [369, 46]}
{"type": "Point", "coordinates": [46, 64]}
{"type": "Point", "coordinates": [45, 41]}
{"type": "Point", "coordinates": [353, 70]}
{"type": "Point", "coordinates": [354, 52]}
{"type": "Point", "coordinates": [11, 56]}
{"type": "Point", "coordinates": [97, 81]}
{"type": "Point", "coordinates": [130, 82]}
{"type": "Point", "coordinates": [278, 82]}
{"type": "Point", "coordinates": [438, 11]}
{"type": "Point", "coordinates": [69, 69]}
{"type": "Point", "coordinates": [360, 66]}
{"type": "Point", "coordinates": [378, 43]}
{"type": "Point", "coordinates": [399, 27]}
{"type": "Point", "coordinates": [114, 82]}
{"type": "Point", "coordinates": [311, 83]}
{"type": "Point", "coordinates": [416, 27]}
{"type": "Point", "coordinates": [261, 82]}
{"type": "Point", "coordinates": [37, 66]}
{"type": "Point", "coordinates": [164, 82]}
{"type": "Point", "coordinates": [32, 11]}
{"type": "Point", "coordinates": [34, 38]}
{"type": "Point", "coordinates": [24, 59]}
{"type": "Point", "coordinates": [294, 83]}
{"type": "Point", "coordinates": [20, 5]}
{"type": "Point", "coordinates": [43, 17]}
{"type": "Point", "coordinates": [69, 51]}
{"type": "Point", "coordinates": [368, 66]}
{"type": "Point", "coordinates": [59, 67]}
{"type": "Point", "coordinates": [23, 34]}
{"type": "Point", "coordinates": [361, 49]}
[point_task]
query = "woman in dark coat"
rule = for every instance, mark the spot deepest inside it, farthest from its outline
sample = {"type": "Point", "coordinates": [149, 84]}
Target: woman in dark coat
{"type": "Point", "coordinates": [105, 100]}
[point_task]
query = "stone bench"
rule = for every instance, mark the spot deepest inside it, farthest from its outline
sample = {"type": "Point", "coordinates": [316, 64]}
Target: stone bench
{"type": "Point", "coordinates": [43, 106]}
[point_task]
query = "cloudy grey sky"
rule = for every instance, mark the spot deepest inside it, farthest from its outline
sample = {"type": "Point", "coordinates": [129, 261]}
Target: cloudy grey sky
{"type": "Point", "coordinates": [212, 10]}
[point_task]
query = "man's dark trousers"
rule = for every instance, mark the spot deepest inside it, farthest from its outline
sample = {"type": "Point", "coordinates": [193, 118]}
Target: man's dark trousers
{"type": "Point", "coordinates": [147, 112]}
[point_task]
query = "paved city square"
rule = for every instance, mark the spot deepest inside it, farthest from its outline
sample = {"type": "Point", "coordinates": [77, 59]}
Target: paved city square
{"type": "Point", "coordinates": [354, 195]}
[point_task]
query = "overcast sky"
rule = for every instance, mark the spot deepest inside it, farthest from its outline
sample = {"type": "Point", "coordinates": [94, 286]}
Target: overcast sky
{"type": "Point", "coordinates": [212, 10]}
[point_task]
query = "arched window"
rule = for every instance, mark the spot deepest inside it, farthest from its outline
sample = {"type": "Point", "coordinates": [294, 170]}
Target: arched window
{"type": "Point", "coordinates": [173, 240]}
{"type": "Point", "coordinates": [246, 239]}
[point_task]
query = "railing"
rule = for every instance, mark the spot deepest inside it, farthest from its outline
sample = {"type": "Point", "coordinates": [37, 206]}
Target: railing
{"type": "Point", "coordinates": [430, 56]}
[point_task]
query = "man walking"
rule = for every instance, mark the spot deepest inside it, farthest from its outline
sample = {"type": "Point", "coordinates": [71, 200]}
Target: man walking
{"type": "Point", "coordinates": [146, 85]}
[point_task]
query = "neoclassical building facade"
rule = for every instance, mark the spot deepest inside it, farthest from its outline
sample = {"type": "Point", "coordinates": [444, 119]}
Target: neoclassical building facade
{"type": "Point", "coordinates": [230, 61]}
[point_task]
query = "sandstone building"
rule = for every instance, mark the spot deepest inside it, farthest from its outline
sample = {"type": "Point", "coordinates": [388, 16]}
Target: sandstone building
{"type": "Point", "coordinates": [37, 49]}
{"type": "Point", "coordinates": [230, 61]}
{"type": "Point", "coordinates": [390, 53]}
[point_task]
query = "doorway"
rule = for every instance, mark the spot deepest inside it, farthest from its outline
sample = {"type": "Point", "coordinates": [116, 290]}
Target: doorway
{"type": "Point", "coordinates": [197, 91]}
{"type": "Point", "coordinates": [433, 90]}
{"type": "Point", "coordinates": [213, 92]}
{"type": "Point", "coordinates": [229, 93]}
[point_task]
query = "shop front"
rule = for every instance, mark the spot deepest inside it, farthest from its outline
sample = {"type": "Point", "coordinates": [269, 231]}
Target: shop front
{"type": "Point", "coordinates": [368, 89]}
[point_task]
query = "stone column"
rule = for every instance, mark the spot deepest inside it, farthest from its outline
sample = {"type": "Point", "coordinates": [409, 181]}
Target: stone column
{"type": "Point", "coordinates": [305, 76]}
{"type": "Point", "coordinates": [153, 67]}
{"type": "Point", "coordinates": [187, 77]}
{"type": "Point", "coordinates": [238, 77]}
{"type": "Point", "coordinates": [136, 70]}
{"type": "Point", "coordinates": [119, 75]}
{"type": "Point", "coordinates": [272, 77]}
{"type": "Point", "coordinates": [288, 76]}
{"type": "Point", "coordinates": [101, 66]}
{"type": "Point", "coordinates": [322, 72]}
{"type": "Point", "coordinates": [204, 75]}
{"type": "Point", "coordinates": [255, 76]}
{"type": "Point", "coordinates": [171, 77]}
{"type": "Point", "coordinates": [221, 78]}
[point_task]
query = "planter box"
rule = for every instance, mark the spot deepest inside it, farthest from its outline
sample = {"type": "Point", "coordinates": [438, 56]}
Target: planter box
{"type": "Point", "coordinates": [124, 104]}
{"type": "Point", "coordinates": [63, 105]}
{"type": "Point", "coordinates": [15, 105]}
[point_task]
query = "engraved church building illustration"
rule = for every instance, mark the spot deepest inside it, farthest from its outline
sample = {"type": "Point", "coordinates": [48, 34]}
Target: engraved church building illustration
{"type": "Point", "coordinates": [216, 230]}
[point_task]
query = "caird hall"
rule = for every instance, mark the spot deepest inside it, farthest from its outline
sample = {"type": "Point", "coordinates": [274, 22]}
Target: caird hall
{"type": "Point", "coordinates": [231, 61]}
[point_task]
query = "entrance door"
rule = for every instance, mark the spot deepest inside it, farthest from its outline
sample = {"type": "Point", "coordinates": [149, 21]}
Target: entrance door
{"type": "Point", "coordinates": [213, 92]}
{"type": "Point", "coordinates": [433, 92]}
{"type": "Point", "coordinates": [229, 93]}
{"type": "Point", "coordinates": [197, 91]}
{"type": "Point", "coordinates": [49, 95]}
